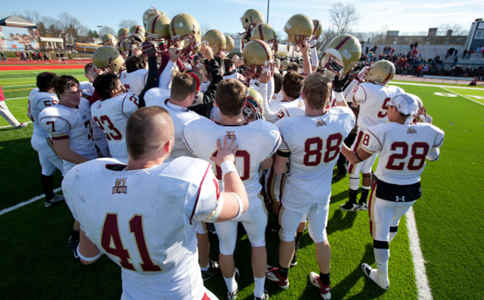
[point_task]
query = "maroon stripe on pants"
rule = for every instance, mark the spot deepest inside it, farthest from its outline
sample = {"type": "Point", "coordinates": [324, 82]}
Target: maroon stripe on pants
{"type": "Point", "coordinates": [358, 140]}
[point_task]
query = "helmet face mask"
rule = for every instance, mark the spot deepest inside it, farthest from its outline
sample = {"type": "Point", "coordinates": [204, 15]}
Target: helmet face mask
{"type": "Point", "coordinates": [344, 50]}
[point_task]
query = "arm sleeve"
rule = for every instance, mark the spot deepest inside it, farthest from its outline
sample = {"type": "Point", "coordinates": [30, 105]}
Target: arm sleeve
{"type": "Point", "coordinates": [360, 95]}
{"type": "Point", "coordinates": [206, 204]}
{"type": "Point", "coordinates": [130, 104]}
{"type": "Point", "coordinates": [166, 75]}
{"type": "Point", "coordinates": [213, 68]}
{"type": "Point", "coordinates": [151, 81]}
{"type": "Point", "coordinates": [57, 127]}
{"type": "Point", "coordinates": [372, 141]}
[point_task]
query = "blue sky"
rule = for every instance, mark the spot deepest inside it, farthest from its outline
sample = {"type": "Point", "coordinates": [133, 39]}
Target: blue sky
{"type": "Point", "coordinates": [409, 16]}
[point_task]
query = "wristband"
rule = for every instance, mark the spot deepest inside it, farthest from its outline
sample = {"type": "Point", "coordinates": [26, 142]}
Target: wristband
{"type": "Point", "coordinates": [227, 167]}
{"type": "Point", "coordinates": [88, 259]}
{"type": "Point", "coordinates": [239, 200]}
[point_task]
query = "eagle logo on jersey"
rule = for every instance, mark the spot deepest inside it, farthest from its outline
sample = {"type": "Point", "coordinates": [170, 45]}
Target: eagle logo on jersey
{"type": "Point", "coordinates": [120, 186]}
{"type": "Point", "coordinates": [411, 130]}
{"type": "Point", "coordinates": [321, 123]}
{"type": "Point", "coordinates": [230, 134]}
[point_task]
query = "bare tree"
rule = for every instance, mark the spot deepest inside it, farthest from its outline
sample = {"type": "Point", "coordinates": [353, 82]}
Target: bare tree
{"type": "Point", "coordinates": [105, 30]}
{"type": "Point", "coordinates": [343, 17]}
{"type": "Point", "coordinates": [127, 23]}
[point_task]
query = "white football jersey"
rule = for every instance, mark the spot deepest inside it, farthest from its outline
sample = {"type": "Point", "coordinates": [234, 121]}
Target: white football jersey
{"type": "Point", "coordinates": [144, 221]}
{"type": "Point", "coordinates": [134, 82]}
{"type": "Point", "coordinates": [256, 141]}
{"type": "Point", "coordinates": [37, 103]}
{"type": "Point", "coordinates": [73, 123]}
{"type": "Point", "coordinates": [156, 96]}
{"type": "Point", "coordinates": [265, 89]}
{"type": "Point", "coordinates": [313, 145]}
{"type": "Point", "coordinates": [402, 149]}
{"type": "Point", "coordinates": [32, 93]}
{"type": "Point", "coordinates": [111, 116]}
{"type": "Point", "coordinates": [87, 88]}
{"type": "Point", "coordinates": [374, 100]}
{"type": "Point", "coordinates": [181, 116]}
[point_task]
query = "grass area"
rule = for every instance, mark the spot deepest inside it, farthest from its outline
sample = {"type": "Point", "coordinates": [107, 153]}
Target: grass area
{"type": "Point", "coordinates": [476, 95]}
{"type": "Point", "coordinates": [449, 220]}
{"type": "Point", "coordinates": [426, 82]}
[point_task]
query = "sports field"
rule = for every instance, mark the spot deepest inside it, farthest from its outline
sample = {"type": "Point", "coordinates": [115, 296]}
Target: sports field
{"type": "Point", "coordinates": [36, 264]}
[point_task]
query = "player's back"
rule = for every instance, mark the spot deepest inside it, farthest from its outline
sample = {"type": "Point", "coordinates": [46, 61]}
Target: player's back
{"type": "Point", "coordinates": [374, 100]}
{"type": "Point", "coordinates": [37, 102]}
{"type": "Point", "coordinates": [181, 116]}
{"type": "Point", "coordinates": [141, 220]}
{"type": "Point", "coordinates": [134, 81]}
{"type": "Point", "coordinates": [404, 149]}
{"type": "Point", "coordinates": [314, 144]}
{"type": "Point", "coordinates": [111, 115]}
{"type": "Point", "coordinates": [256, 142]}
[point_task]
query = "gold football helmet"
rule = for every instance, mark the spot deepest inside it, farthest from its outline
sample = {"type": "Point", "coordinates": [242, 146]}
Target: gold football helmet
{"type": "Point", "coordinates": [381, 72]}
{"type": "Point", "coordinates": [158, 27]}
{"type": "Point", "coordinates": [229, 43]}
{"type": "Point", "coordinates": [109, 40]}
{"type": "Point", "coordinates": [318, 29]}
{"type": "Point", "coordinates": [107, 57]}
{"type": "Point", "coordinates": [257, 53]}
{"type": "Point", "coordinates": [254, 105]}
{"type": "Point", "coordinates": [251, 18]}
{"type": "Point", "coordinates": [149, 14]}
{"type": "Point", "coordinates": [341, 55]}
{"type": "Point", "coordinates": [123, 33]}
{"type": "Point", "coordinates": [185, 29]}
{"type": "Point", "coordinates": [137, 32]}
{"type": "Point", "coordinates": [216, 40]}
{"type": "Point", "coordinates": [265, 33]}
{"type": "Point", "coordinates": [299, 28]}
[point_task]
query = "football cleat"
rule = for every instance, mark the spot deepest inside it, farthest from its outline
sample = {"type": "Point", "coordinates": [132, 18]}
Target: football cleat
{"type": "Point", "coordinates": [375, 276]}
{"type": "Point", "coordinates": [294, 260]}
{"type": "Point", "coordinates": [73, 242]}
{"type": "Point", "coordinates": [348, 206]}
{"type": "Point", "coordinates": [274, 275]}
{"type": "Point", "coordinates": [56, 199]}
{"type": "Point", "coordinates": [232, 295]}
{"type": "Point", "coordinates": [212, 271]}
{"type": "Point", "coordinates": [324, 290]}
{"type": "Point", "coordinates": [265, 296]}
{"type": "Point", "coordinates": [363, 206]}
{"type": "Point", "coordinates": [21, 125]}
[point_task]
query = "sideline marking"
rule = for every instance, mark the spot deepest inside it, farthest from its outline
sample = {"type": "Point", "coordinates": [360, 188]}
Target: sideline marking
{"type": "Point", "coordinates": [437, 85]}
{"type": "Point", "coordinates": [10, 126]}
{"type": "Point", "coordinates": [19, 205]}
{"type": "Point", "coordinates": [17, 98]}
{"type": "Point", "coordinates": [421, 280]}
{"type": "Point", "coordinates": [463, 96]}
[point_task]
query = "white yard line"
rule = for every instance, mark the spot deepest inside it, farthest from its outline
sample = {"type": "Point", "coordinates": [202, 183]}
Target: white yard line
{"type": "Point", "coordinates": [463, 96]}
{"type": "Point", "coordinates": [21, 204]}
{"type": "Point", "coordinates": [424, 292]}
{"type": "Point", "coordinates": [17, 98]}
{"type": "Point", "coordinates": [436, 85]}
{"type": "Point", "coordinates": [10, 126]}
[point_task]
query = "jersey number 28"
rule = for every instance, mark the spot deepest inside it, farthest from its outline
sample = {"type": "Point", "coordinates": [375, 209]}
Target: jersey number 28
{"type": "Point", "coordinates": [418, 152]}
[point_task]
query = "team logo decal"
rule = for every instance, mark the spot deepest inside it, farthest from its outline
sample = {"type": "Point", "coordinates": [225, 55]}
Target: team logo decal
{"type": "Point", "coordinates": [321, 123]}
{"type": "Point", "coordinates": [120, 186]}
{"type": "Point", "coordinates": [411, 130]}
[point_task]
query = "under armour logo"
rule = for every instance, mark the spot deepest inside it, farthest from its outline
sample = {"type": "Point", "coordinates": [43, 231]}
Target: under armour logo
{"type": "Point", "coordinates": [400, 199]}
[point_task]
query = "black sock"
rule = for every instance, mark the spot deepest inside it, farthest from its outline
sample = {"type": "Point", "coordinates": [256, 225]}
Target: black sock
{"type": "Point", "coordinates": [352, 196]}
{"type": "Point", "coordinates": [284, 271]}
{"type": "Point", "coordinates": [364, 195]}
{"type": "Point", "coordinates": [298, 239]}
{"type": "Point", "coordinates": [324, 278]}
{"type": "Point", "coordinates": [47, 186]}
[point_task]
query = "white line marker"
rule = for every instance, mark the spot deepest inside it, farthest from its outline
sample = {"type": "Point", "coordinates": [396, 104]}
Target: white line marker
{"type": "Point", "coordinates": [424, 292]}
{"type": "Point", "coordinates": [17, 98]}
{"type": "Point", "coordinates": [436, 85]}
{"type": "Point", "coordinates": [463, 96]}
{"type": "Point", "coordinates": [10, 126]}
{"type": "Point", "coordinates": [32, 200]}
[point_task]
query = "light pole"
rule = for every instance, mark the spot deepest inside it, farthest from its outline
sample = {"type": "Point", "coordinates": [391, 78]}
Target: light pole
{"type": "Point", "coordinates": [268, 3]}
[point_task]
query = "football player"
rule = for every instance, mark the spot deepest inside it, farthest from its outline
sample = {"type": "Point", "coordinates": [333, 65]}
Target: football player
{"type": "Point", "coordinates": [49, 162]}
{"type": "Point", "coordinates": [257, 141]}
{"type": "Point", "coordinates": [7, 115]}
{"type": "Point", "coordinates": [373, 97]}
{"type": "Point", "coordinates": [68, 124]}
{"type": "Point", "coordinates": [145, 223]}
{"type": "Point", "coordinates": [134, 78]}
{"type": "Point", "coordinates": [311, 146]}
{"type": "Point", "coordinates": [403, 148]}
{"type": "Point", "coordinates": [112, 111]}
